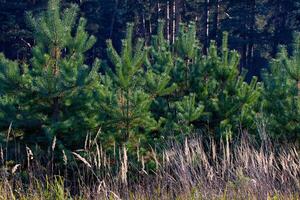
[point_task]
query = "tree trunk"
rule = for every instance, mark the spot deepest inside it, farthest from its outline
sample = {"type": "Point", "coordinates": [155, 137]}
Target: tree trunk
{"type": "Point", "coordinates": [177, 10]}
{"type": "Point", "coordinates": [112, 24]}
{"type": "Point", "coordinates": [214, 32]}
{"type": "Point", "coordinates": [158, 8]}
{"type": "Point", "coordinates": [55, 107]}
{"type": "Point", "coordinates": [168, 20]}
{"type": "Point", "coordinates": [280, 20]}
{"type": "Point", "coordinates": [206, 18]}
{"type": "Point", "coordinates": [172, 21]}
{"type": "Point", "coordinates": [251, 33]}
{"type": "Point", "coordinates": [144, 26]}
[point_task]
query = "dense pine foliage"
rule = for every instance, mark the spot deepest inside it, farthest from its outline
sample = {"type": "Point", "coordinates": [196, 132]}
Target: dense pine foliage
{"type": "Point", "coordinates": [282, 94]}
{"type": "Point", "coordinates": [54, 94]}
{"type": "Point", "coordinates": [163, 86]}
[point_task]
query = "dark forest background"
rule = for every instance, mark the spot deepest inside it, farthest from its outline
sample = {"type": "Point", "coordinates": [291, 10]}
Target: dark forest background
{"type": "Point", "coordinates": [256, 27]}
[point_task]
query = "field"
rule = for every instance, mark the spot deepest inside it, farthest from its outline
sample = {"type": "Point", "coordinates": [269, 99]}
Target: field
{"type": "Point", "coordinates": [191, 170]}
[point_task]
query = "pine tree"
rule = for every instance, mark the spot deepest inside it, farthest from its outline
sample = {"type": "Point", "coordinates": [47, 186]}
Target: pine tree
{"type": "Point", "coordinates": [230, 100]}
{"type": "Point", "coordinates": [281, 95]}
{"type": "Point", "coordinates": [186, 50]}
{"type": "Point", "coordinates": [188, 110]}
{"type": "Point", "coordinates": [223, 101]}
{"type": "Point", "coordinates": [125, 103]}
{"type": "Point", "coordinates": [56, 93]}
{"type": "Point", "coordinates": [159, 65]}
{"type": "Point", "coordinates": [133, 88]}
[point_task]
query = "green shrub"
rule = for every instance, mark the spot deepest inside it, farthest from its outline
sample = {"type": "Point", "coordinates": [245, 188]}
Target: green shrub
{"type": "Point", "coordinates": [56, 94]}
{"type": "Point", "coordinates": [281, 97]}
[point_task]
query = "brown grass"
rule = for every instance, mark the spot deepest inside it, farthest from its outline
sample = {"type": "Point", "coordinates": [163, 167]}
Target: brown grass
{"type": "Point", "coordinates": [191, 170]}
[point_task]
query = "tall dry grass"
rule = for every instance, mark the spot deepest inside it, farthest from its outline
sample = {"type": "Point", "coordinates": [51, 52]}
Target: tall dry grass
{"type": "Point", "coordinates": [193, 169]}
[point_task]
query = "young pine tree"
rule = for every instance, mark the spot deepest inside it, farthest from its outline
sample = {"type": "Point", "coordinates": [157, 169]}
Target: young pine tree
{"type": "Point", "coordinates": [231, 102]}
{"type": "Point", "coordinates": [125, 105]}
{"type": "Point", "coordinates": [282, 95]}
{"type": "Point", "coordinates": [56, 93]}
{"type": "Point", "coordinates": [133, 85]}
{"type": "Point", "coordinates": [210, 85]}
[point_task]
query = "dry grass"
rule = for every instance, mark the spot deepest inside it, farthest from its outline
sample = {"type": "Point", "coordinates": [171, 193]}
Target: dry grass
{"type": "Point", "coordinates": [191, 170]}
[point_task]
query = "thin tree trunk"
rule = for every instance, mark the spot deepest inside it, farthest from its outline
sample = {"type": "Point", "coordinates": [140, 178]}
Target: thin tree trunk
{"type": "Point", "coordinates": [279, 26]}
{"type": "Point", "coordinates": [112, 24]}
{"type": "Point", "coordinates": [144, 26]}
{"type": "Point", "coordinates": [172, 21]}
{"type": "Point", "coordinates": [157, 11]}
{"type": "Point", "coordinates": [56, 53]}
{"type": "Point", "coordinates": [215, 20]}
{"type": "Point", "coordinates": [206, 18]}
{"type": "Point", "coordinates": [251, 34]}
{"type": "Point", "coordinates": [150, 28]}
{"type": "Point", "coordinates": [55, 107]}
{"type": "Point", "coordinates": [177, 9]}
{"type": "Point", "coordinates": [168, 20]}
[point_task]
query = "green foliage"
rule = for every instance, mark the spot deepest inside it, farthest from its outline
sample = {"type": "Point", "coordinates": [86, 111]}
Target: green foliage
{"type": "Point", "coordinates": [228, 103]}
{"type": "Point", "coordinates": [188, 112]}
{"type": "Point", "coordinates": [148, 94]}
{"type": "Point", "coordinates": [125, 103]}
{"type": "Point", "coordinates": [56, 93]}
{"type": "Point", "coordinates": [282, 97]}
